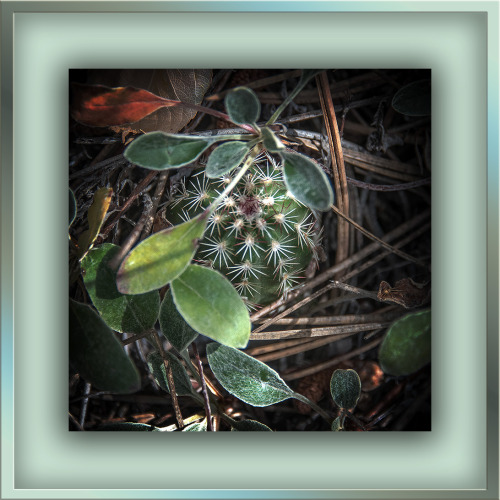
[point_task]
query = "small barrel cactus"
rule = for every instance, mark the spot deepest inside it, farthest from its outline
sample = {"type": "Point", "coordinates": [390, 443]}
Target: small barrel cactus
{"type": "Point", "coordinates": [260, 236]}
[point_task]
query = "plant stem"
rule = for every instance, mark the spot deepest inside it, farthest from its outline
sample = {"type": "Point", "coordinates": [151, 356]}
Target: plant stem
{"type": "Point", "coordinates": [229, 137]}
{"type": "Point", "coordinates": [250, 159]}
{"type": "Point", "coordinates": [217, 114]}
{"type": "Point", "coordinates": [171, 382]}
{"type": "Point", "coordinates": [314, 406]}
{"type": "Point", "coordinates": [289, 99]}
{"type": "Point", "coordinates": [351, 416]}
{"type": "Point", "coordinates": [203, 387]}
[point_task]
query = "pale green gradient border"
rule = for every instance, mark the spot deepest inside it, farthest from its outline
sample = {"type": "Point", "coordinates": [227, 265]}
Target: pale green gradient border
{"type": "Point", "coordinates": [41, 460]}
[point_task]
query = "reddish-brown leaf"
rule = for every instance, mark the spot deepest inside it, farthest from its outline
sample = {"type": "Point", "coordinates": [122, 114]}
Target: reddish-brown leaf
{"type": "Point", "coordinates": [185, 85]}
{"type": "Point", "coordinates": [101, 106]}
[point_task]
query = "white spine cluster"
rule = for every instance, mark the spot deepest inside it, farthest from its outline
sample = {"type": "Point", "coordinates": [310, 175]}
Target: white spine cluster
{"type": "Point", "coordinates": [259, 236]}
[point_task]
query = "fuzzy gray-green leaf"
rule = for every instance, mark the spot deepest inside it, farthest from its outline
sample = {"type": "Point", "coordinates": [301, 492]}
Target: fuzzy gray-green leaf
{"type": "Point", "coordinates": [245, 377]}
{"type": "Point", "coordinates": [161, 151]}
{"type": "Point", "coordinates": [226, 157]}
{"type": "Point", "coordinates": [212, 306]}
{"type": "Point", "coordinates": [97, 355]}
{"type": "Point", "coordinates": [271, 142]}
{"type": "Point", "coordinates": [173, 325]}
{"type": "Point", "coordinates": [407, 344]}
{"type": "Point", "coordinates": [345, 387]}
{"type": "Point", "coordinates": [196, 427]}
{"type": "Point", "coordinates": [306, 181]}
{"type": "Point", "coordinates": [242, 106]}
{"type": "Point", "coordinates": [123, 313]}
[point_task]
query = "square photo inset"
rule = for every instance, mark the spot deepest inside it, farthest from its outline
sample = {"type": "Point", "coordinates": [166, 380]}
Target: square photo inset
{"type": "Point", "coordinates": [250, 250]}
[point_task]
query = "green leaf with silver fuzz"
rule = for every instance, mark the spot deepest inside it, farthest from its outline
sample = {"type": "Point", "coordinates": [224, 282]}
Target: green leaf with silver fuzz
{"type": "Point", "coordinates": [245, 377]}
{"type": "Point", "coordinates": [196, 427]}
{"type": "Point", "coordinates": [161, 151]}
{"type": "Point", "coordinates": [271, 142]}
{"type": "Point", "coordinates": [345, 386]}
{"type": "Point", "coordinates": [226, 157]}
{"type": "Point", "coordinates": [306, 181]}
{"type": "Point", "coordinates": [242, 106]}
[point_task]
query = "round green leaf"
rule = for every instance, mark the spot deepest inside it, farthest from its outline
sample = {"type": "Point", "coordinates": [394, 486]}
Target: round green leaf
{"type": "Point", "coordinates": [212, 306]}
{"type": "Point", "coordinates": [72, 207]}
{"type": "Point", "coordinates": [174, 326]}
{"type": "Point", "coordinates": [160, 258]}
{"type": "Point", "coordinates": [182, 383]}
{"type": "Point", "coordinates": [306, 181]}
{"type": "Point", "coordinates": [345, 387]}
{"type": "Point", "coordinates": [226, 157]}
{"type": "Point", "coordinates": [414, 99]}
{"type": "Point", "coordinates": [242, 106]}
{"type": "Point", "coordinates": [161, 151]}
{"type": "Point", "coordinates": [245, 377]}
{"type": "Point", "coordinates": [97, 355]}
{"type": "Point", "coordinates": [407, 344]}
{"type": "Point", "coordinates": [123, 313]}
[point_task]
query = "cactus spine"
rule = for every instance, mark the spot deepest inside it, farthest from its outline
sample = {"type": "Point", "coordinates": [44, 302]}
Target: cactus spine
{"type": "Point", "coordinates": [259, 236]}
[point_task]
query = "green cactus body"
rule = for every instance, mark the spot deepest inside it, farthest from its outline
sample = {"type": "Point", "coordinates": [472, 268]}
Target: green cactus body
{"type": "Point", "coordinates": [259, 236]}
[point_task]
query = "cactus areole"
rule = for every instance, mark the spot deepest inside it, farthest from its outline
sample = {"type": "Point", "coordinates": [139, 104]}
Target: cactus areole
{"type": "Point", "coordinates": [260, 237]}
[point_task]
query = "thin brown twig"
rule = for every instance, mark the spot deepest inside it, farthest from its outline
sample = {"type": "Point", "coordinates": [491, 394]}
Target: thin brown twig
{"type": "Point", "coordinates": [133, 196]}
{"type": "Point", "coordinates": [391, 248]}
{"type": "Point", "coordinates": [160, 188]}
{"type": "Point", "coordinates": [138, 336]}
{"type": "Point", "coordinates": [389, 187]}
{"type": "Point", "coordinates": [318, 332]}
{"type": "Point", "coordinates": [338, 168]}
{"type": "Point", "coordinates": [262, 82]}
{"type": "Point", "coordinates": [344, 319]}
{"type": "Point", "coordinates": [171, 382]}
{"type": "Point", "coordinates": [204, 390]}
{"type": "Point", "coordinates": [75, 421]}
{"type": "Point", "coordinates": [288, 311]}
{"type": "Point", "coordinates": [401, 243]}
{"type": "Point", "coordinates": [134, 234]}
{"type": "Point", "coordinates": [303, 372]}
{"type": "Point", "coordinates": [114, 161]}
{"type": "Point", "coordinates": [303, 346]}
